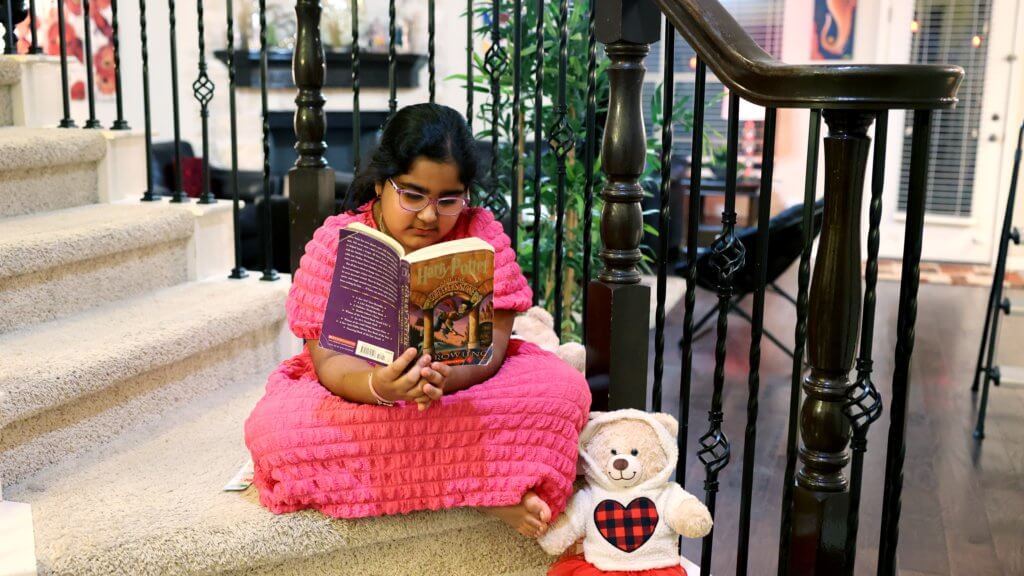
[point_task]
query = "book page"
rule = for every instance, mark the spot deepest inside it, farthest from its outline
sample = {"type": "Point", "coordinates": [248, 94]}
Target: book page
{"type": "Point", "coordinates": [362, 315]}
{"type": "Point", "coordinates": [451, 309]}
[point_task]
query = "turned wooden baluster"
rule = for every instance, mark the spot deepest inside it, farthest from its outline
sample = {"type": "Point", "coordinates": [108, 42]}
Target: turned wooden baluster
{"type": "Point", "coordinates": [311, 180]}
{"type": "Point", "coordinates": [617, 304]}
{"type": "Point", "coordinates": [821, 493]}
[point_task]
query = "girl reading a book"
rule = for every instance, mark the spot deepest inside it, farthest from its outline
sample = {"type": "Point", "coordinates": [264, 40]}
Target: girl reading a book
{"type": "Point", "coordinates": [352, 439]}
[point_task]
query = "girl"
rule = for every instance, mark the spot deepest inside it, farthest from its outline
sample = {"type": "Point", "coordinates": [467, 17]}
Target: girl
{"type": "Point", "coordinates": [350, 439]}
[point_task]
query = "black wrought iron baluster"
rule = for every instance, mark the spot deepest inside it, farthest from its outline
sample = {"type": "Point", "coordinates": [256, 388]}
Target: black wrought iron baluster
{"type": "Point", "coordinates": [803, 282]}
{"type": "Point", "coordinates": [764, 214]}
{"type": "Point", "coordinates": [269, 273]}
{"type": "Point", "coordinates": [356, 128]}
{"type": "Point", "coordinates": [667, 101]}
{"type": "Point", "coordinates": [66, 121]}
{"type": "Point", "coordinates": [119, 123]}
{"type": "Point", "coordinates": [431, 52]}
{"type": "Point", "coordinates": [177, 194]}
{"type": "Point", "coordinates": [150, 195]}
{"type": "Point", "coordinates": [239, 271]}
{"type": "Point", "coordinates": [470, 87]}
{"type": "Point", "coordinates": [538, 139]}
{"type": "Point", "coordinates": [203, 89]}
{"type": "Point", "coordinates": [33, 22]}
{"type": "Point", "coordinates": [10, 47]}
{"type": "Point", "coordinates": [864, 404]}
{"type": "Point", "coordinates": [90, 80]}
{"type": "Point", "coordinates": [727, 257]}
{"type": "Point", "coordinates": [392, 61]}
{"type": "Point", "coordinates": [590, 149]}
{"type": "Point", "coordinates": [495, 63]}
{"type": "Point", "coordinates": [907, 315]}
{"type": "Point", "coordinates": [517, 115]}
{"type": "Point", "coordinates": [562, 140]}
{"type": "Point", "coordinates": [692, 234]}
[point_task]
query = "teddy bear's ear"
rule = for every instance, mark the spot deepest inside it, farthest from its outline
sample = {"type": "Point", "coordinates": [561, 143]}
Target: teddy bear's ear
{"type": "Point", "coordinates": [668, 421]}
{"type": "Point", "coordinates": [594, 415]}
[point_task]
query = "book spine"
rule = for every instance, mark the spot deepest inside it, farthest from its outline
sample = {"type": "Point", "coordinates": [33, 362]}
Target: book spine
{"type": "Point", "coordinates": [403, 310]}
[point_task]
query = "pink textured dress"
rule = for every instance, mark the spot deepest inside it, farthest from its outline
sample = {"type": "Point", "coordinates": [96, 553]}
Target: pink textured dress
{"type": "Point", "coordinates": [483, 446]}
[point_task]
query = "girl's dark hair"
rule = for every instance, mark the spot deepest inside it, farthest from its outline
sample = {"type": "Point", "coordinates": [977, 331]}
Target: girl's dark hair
{"type": "Point", "coordinates": [432, 131]}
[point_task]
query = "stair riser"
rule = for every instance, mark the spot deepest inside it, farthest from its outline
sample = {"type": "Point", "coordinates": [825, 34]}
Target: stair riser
{"type": "Point", "coordinates": [6, 107]}
{"type": "Point", "coordinates": [59, 292]}
{"type": "Point", "coordinates": [48, 438]}
{"type": "Point", "coordinates": [490, 548]}
{"type": "Point", "coordinates": [51, 188]}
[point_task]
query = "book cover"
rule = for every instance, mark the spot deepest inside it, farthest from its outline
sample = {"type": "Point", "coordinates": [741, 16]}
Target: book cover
{"type": "Point", "coordinates": [438, 299]}
{"type": "Point", "coordinates": [451, 306]}
{"type": "Point", "coordinates": [361, 317]}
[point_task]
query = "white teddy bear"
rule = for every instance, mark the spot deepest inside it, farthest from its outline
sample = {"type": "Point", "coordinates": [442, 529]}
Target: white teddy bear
{"type": "Point", "coordinates": [629, 513]}
{"type": "Point", "coordinates": [537, 326]}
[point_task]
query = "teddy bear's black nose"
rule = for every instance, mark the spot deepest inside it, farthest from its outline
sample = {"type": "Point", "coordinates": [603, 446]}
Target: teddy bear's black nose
{"type": "Point", "coordinates": [620, 464]}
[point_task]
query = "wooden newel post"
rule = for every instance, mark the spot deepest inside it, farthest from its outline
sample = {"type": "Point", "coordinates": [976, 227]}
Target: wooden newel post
{"type": "Point", "coordinates": [618, 305]}
{"type": "Point", "coordinates": [311, 180]}
{"type": "Point", "coordinates": [821, 495]}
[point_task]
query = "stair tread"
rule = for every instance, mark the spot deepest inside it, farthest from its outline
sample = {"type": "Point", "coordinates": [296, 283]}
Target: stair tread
{"type": "Point", "coordinates": [152, 503]}
{"type": "Point", "coordinates": [49, 364]}
{"type": "Point", "coordinates": [45, 240]}
{"type": "Point", "coordinates": [24, 148]}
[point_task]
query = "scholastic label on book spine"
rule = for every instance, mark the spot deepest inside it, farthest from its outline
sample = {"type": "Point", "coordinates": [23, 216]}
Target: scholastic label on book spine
{"type": "Point", "coordinates": [365, 297]}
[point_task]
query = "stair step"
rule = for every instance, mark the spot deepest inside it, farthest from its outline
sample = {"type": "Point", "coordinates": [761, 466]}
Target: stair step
{"type": "Point", "coordinates": [61, 262]}
{"type": "Point", "coordinates": [44, 169]}
{"type": "Point", "coordinates": [73, 383]}
{"type": "Point", "coordinates": [151, 503]}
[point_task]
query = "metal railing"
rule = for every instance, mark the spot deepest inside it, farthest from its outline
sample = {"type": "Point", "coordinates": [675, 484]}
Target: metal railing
{"type": "Point", "coordinates": [829, 414]}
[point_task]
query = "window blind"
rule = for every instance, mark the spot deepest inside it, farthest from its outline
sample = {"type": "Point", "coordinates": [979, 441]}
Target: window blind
{"type": "Point", "coordinates": [950, 32]}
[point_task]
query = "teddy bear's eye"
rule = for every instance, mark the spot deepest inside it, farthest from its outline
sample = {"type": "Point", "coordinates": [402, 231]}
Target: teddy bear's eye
{"type": "Point", "coordinates": [614, 453]}
{"type": "Point", "coordinates": [635, 452]}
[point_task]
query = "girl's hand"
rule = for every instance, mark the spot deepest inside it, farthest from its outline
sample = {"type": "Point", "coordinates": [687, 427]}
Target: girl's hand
{"type": "Point", "coordinates": [432, 381]}
{"type": "Point", "coordinates": [400, 380]}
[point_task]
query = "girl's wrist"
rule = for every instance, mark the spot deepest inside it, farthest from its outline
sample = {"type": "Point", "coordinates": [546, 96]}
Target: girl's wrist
{"type": "Point", "coordinates": [381, 400]}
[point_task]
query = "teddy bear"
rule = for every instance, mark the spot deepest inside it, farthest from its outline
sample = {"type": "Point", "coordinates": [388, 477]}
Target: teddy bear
{"type": "Point", "coordinates": [629, 513]}
{"type": "Point", "coordinates": [537, 326]}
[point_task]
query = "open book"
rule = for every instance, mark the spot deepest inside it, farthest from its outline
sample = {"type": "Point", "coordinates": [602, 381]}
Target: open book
{"type": "Point", "coordinates": [438, 299]}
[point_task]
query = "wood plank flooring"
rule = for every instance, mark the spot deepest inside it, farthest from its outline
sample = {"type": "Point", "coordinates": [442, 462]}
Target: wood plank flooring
{"type": "Point", "coordinates": [963, 500]}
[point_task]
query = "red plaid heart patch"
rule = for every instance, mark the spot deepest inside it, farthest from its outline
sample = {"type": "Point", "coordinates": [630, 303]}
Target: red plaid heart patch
{"type": "Point", "coordinates": [626, 527]}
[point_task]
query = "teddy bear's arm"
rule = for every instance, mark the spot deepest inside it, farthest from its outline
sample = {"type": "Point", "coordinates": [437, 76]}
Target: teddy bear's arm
{"type": "Point", "coordinates": [686, 514]}
{"type": "Point", "coordinates": [569, 527]}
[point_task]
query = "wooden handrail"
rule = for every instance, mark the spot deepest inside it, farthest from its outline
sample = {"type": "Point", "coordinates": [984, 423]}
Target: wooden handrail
{"type": "Point", "coordinates": [760, 78]}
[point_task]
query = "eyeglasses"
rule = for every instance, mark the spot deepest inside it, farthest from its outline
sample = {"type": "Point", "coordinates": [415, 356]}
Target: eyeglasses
{"type": "Point", "coordinates": [413, 201]}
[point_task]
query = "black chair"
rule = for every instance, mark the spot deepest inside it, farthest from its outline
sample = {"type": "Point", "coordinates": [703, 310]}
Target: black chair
{"type": "Point", "coordinates": [785, 242]}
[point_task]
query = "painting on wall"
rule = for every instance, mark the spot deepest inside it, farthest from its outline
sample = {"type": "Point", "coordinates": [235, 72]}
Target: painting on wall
{"type": "Point", "coordinates": [48, 34]}
{"type": "Point", "coordinates": [833, 29]}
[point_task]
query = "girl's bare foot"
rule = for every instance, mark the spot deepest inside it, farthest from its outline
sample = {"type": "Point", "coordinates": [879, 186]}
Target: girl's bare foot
{"type": "Point", "coordinates": [530, 517]}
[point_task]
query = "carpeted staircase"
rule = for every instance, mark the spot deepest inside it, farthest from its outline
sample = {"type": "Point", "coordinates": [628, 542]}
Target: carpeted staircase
{"type": "Point", "coordinates": [126, 374]}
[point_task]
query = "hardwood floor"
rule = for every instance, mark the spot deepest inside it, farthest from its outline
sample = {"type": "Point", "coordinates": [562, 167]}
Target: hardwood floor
{"type": "Point", "coordinates": [963, 500]}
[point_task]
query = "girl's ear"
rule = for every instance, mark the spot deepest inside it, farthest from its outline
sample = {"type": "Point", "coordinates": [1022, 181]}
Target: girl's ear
{"type": "Point", "coordinates": [378, 188]}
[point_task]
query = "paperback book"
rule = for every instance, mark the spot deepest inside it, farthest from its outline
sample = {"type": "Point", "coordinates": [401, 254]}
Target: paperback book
{"type": "Point", "coordinates": [438, 299]}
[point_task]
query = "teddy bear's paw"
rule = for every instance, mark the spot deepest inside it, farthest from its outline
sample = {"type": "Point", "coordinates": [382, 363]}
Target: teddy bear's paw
{"type": "Point", "coordinates": [692, 519]}
{"type": "Point", "coordinates": [573, 354]}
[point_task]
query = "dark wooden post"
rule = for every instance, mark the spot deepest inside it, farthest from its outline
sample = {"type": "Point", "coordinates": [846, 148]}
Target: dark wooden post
{"type": "Point", "coordinates": [618, 306]}
{"type": "Point", "coordinates": [821, 496]}
{"type": "Point", "coordinates": [311, 180]}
